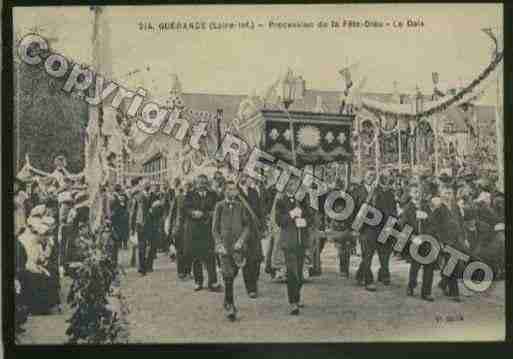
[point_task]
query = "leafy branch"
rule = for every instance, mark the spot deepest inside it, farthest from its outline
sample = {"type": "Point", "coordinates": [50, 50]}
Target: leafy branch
{"type": "Point", "coordinates": [95, 319]}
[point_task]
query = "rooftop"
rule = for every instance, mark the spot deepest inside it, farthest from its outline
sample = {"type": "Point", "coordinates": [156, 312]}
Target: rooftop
{"type": "Point", "coordinates": [312, 100]}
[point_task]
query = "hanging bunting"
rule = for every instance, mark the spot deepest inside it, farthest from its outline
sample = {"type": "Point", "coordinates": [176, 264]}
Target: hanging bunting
{"type": "Point", "coordinates": [380, 109]}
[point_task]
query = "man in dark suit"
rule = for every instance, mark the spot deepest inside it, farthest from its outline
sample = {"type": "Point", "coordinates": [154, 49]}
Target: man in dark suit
{"type": "Point", "coordinates": [417, 214]}
{"type": "Point", "coordinates": [119, 218]}
{"type": "Point", "coordinates": [251, 271]}
{"type": "Point", "coordinates": [155, 222]}
{"type": "Point", "coordinates": [218, 185]}
{"type": "Point", "coordinates": [386, 203]}
{"type": "Point", "coordinates": [140, 224]}
{"type": "Point", "coordinates": [293, 219]}
{"type": "Point", "coordinates": [449, 232]}
{"type": "Point", "coordinates": [382, 198]}
{"type": "Point", "coordinates": [231, 229]}
{"type": "Point", "coordinates": [199, 206]}
{"type": "Point", "coordinates": [183, 262]}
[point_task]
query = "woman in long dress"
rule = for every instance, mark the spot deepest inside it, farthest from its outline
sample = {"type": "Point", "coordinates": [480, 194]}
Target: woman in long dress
{"type": "Point", "coordinates": [40, 290]}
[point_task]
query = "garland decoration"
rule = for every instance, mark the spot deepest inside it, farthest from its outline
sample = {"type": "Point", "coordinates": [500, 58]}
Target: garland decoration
{"type": "Point", "coordinates": [28, 171]}
{"type": "Point", "coordinates": [442, 106]}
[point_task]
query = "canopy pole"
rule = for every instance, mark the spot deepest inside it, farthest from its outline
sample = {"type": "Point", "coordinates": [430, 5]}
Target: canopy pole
{"type": "Point", "coordinates": [360, 172]}
{"type": "Point", "coordinates": [293, 146]}
{"type": "Point", "coordinates": [400, 159]}
{"type": "Point", "coordinates": [377, 153]}
{"type": "Point", "coordinates": [435, 132]}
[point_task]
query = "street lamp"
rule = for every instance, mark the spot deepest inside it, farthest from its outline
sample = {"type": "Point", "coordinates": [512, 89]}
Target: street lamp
{"type": "Point", "coordinates": [419, 101]}
{"type": "Point", "coordinates": [289, 89]}
{"type": "Point", "coordinates": [419, 105]}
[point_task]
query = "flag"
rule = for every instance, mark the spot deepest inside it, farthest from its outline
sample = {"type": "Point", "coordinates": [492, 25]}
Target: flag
{"type": "Point", "coordinates": [348, 72]}
{"type": "Point", "coordinates": [355, 95]}
{"type": "Point", "coordinates": [271, 94]}
{"type": "Point", "coordinates": [436, 77]}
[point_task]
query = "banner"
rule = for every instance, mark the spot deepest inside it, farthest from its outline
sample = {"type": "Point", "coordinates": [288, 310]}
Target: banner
{"type": "Point", "coordinates": [318, 137]}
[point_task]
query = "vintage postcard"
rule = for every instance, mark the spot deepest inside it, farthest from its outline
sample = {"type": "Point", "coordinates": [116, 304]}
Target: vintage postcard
{"type": "Point", "coordinates": [258, 173]}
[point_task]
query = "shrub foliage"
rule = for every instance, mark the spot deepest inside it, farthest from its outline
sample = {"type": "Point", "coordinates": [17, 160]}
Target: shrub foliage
{"type": "Point", "coordinates": [91, 297]}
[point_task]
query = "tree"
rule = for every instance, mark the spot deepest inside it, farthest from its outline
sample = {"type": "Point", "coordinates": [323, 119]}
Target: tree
{"type": "Point", "coordinates": [48, 121]}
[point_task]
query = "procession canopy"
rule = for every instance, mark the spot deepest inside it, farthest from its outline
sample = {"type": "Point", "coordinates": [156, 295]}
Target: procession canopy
{"type": "Point", "coordinates": [319, 138]}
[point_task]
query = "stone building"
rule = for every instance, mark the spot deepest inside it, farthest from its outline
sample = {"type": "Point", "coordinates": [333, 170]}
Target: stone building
{"type": "Point", "coordinates": [460, 130]}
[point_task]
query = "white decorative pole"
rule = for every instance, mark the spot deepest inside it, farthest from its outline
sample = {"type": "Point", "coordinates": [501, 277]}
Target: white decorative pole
{"type": "Point", "coordinates": [358, 124]}
{"type": "Point", "coordinates": [377, 151]}
{"type": "Point", "coordinates": [435, 131]}
{"type": "Point", "coordinates": [397, 99]}
{"type": "Point", "coordinates": [400, 146]}
{"type": "Point", "coordinates": [434, 119]}
{"type": "Point", "coordinates": [412, 149]}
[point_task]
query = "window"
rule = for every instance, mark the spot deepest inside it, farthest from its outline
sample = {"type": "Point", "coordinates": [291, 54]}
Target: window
{"type": "Point", "coordinates": [449, 127]}
{"type": "Point", "coordinates": [155, 167]}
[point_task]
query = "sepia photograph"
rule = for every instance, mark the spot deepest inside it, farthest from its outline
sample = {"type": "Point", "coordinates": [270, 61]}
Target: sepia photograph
{"type": "Point", "coordinates": [300, 173]}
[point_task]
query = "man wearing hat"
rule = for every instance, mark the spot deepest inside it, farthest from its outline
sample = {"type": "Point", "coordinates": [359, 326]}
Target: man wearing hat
{"type": "Point", "coordinates": [140, 224]}
{"type": "Point", "coordinates": [198, 207]}
{"type": "Point", "coordinates": [377, 194]}
{"type": "Point", "coordinates": [231, 228]}
{"type": "Point", "coordinates": [119, 217]}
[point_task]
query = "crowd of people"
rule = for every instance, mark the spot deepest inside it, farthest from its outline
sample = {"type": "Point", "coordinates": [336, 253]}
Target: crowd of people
{"type": "Point", "coordinates": [218, 225]}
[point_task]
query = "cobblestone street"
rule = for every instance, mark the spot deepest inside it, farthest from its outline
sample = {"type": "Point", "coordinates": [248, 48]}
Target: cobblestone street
{"type": "Point", "coordinates": [165, 310]}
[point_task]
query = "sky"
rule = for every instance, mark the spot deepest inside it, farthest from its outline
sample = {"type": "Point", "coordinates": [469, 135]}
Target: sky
{"type": "Point", "coordinates": [244, 61]}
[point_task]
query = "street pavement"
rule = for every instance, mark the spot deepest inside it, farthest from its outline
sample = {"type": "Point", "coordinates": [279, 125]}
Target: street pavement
{"type": "Point", "coordinates": [166, 310]}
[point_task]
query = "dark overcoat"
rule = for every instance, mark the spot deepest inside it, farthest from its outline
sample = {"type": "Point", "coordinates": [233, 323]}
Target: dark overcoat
{"type": "Point", "coordinates": [139, 212]}
{"type": "Point", "coordinates": [119, 214]}
{"type": "Point", "coordinates": [198, 240]}
{"type": "Point", "coordinates": [254, 249]}
{"type": "Point", "coordinates": [231, 223]}
{"type": "Point", "coordinates": [420, 226]}
{"type": "Point", "coordinates": [292, 239]}
{"type": "Point", "coordinates": [384, 201]}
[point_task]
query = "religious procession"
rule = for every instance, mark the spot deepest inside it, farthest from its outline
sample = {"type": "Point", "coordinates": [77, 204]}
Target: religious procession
{"type": "Point", "coordinates": [119, 209]}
